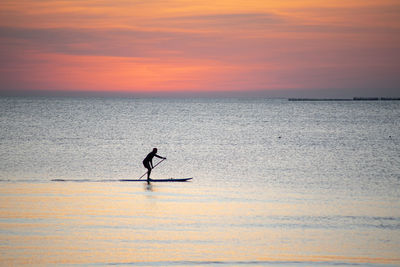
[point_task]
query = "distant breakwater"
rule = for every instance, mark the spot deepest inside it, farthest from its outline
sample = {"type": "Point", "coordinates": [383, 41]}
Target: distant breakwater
{"type": "Point", "coordinates": [347, 99]}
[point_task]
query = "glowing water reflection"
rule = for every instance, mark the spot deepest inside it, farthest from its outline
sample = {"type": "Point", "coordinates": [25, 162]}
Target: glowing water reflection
{"type": "Point", "coordinates": [183, 224]}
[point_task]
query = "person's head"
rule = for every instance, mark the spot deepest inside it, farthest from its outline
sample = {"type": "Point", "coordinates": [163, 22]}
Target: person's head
{"type": "Point", "coordinates": [155, 150]}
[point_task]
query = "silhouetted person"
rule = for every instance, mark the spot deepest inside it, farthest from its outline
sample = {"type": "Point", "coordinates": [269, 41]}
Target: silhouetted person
{"type": "Point", "coordinates": [148, 162]}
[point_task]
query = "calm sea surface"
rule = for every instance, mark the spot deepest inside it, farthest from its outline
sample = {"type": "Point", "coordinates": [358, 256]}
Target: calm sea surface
{"type": "Point", "coordinates": [276, 183]}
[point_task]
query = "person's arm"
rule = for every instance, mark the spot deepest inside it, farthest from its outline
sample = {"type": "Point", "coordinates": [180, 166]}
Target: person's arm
{"type": "Point", "coordinates": [160, 157]}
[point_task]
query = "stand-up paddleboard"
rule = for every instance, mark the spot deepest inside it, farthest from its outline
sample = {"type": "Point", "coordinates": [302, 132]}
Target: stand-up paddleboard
{"type": "Point", "coordinates": [157, 180]}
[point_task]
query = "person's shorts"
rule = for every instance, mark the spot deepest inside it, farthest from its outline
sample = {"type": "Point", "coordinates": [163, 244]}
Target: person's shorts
{"type": "Point", "coordinates": [146, 164]}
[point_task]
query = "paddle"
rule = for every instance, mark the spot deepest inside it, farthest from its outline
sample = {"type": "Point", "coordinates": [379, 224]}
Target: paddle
{"type": "Point", "coordinates": [153, 168]}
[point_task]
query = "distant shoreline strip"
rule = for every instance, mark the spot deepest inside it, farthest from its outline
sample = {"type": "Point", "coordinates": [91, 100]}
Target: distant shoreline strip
{"type": "Point", "coordinates": [348, 99]}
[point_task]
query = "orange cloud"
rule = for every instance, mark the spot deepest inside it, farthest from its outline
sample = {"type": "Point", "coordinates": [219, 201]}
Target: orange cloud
{"type": "Point", "coordinates": [100, 73]}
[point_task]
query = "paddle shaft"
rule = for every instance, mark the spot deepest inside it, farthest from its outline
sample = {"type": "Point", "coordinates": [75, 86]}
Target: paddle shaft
{"type": "Point", "coordinates": [152, 168]}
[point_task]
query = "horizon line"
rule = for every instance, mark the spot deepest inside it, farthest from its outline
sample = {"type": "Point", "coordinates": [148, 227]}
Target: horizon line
{"type": "Point", "coordinates": [298, 94]}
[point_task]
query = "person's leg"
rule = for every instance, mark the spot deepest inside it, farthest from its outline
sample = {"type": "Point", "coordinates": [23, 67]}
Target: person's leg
{"type": "Point", "coordinates": [148, 173]}
{"type": "Point", "coordinates": [147, 166]}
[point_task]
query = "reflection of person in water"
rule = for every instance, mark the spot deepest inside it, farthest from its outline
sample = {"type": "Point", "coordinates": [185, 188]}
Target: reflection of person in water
{"type": "Point", "coordinates": [148, 162]}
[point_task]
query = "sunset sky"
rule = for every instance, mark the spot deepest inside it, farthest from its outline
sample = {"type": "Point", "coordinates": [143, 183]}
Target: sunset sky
{"type": "Point", "coordinates": [321, 48]}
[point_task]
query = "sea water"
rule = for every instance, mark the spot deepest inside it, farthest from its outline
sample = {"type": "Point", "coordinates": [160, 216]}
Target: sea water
{"type": "Point", "coordinates": [275, 182]}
